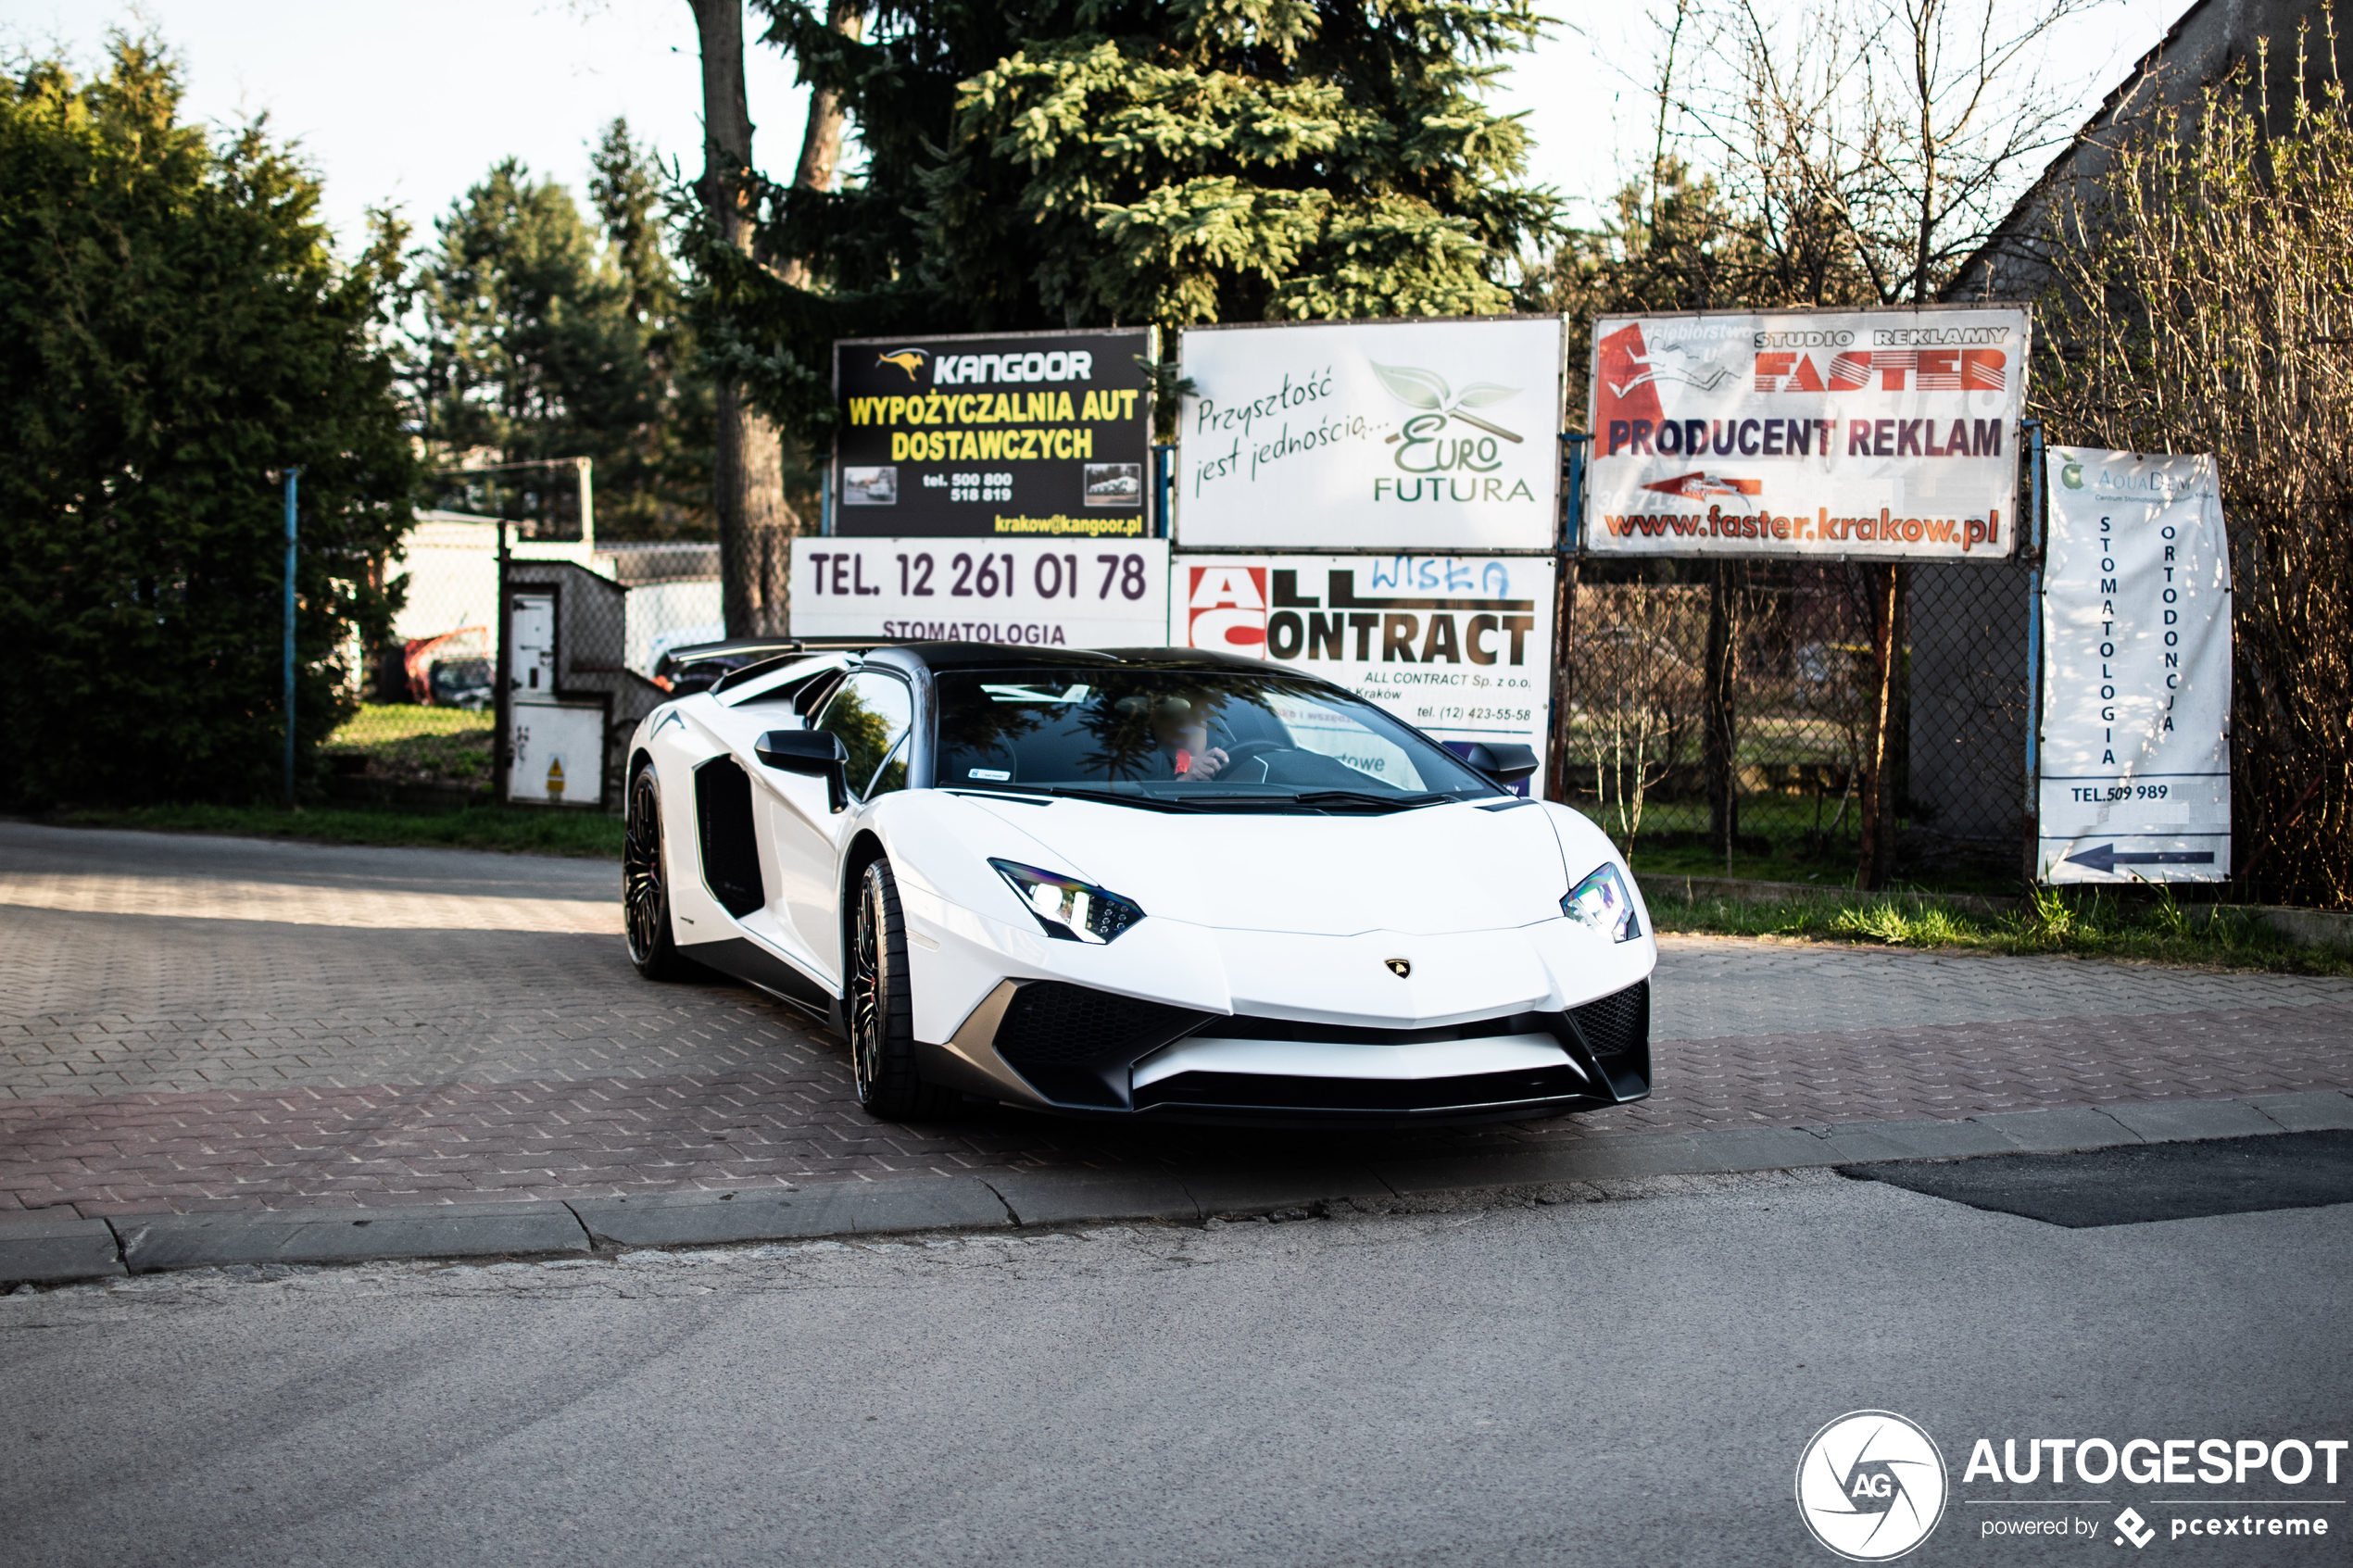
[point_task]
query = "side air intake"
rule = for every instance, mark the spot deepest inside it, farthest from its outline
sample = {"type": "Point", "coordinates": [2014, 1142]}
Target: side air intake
{"type": "Point", "coordinates": [730, 848]}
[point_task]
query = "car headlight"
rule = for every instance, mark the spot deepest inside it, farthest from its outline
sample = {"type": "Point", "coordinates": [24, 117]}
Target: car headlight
{"type": "Point", "coordinates": [1068, 908]}
{"type": "Point", "coordinates": [1603, 901]}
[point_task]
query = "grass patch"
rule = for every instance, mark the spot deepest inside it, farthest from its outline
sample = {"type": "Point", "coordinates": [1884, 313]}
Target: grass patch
{"type": "Point", "coordinates": [2091, 925]}
{"type": "Point", "coordinates": [514, 829]}
{"type": "Point", "coordinates": [1779, 846]}
{"type": "Point", "coordinates": [413, 743]}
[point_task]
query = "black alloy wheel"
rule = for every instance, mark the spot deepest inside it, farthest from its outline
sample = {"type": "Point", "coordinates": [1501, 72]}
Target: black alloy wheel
{"type": "Point", "coordinates": [645, 893]}
{"type": "Point", "coordinates": [882, 1012]}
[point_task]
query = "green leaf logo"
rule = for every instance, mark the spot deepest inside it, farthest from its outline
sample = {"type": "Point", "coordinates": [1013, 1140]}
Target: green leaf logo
{"type": "Point", "coordinates": [1427, 389]}
{"type": "Point", "coordinates": [1423, 389]}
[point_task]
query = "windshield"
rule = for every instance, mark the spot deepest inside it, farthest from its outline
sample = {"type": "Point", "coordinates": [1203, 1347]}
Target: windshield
{"type": "Point", "coordinates": [1189, 739]}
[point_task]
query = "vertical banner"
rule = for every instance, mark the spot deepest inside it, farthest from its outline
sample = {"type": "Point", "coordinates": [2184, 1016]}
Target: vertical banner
{"type": "Point", "coordinates": [1428, 435]}
{"type": "Point", "coordinates": [1020, 435]}
{"type": "Point", "coordinates": [2136, 687]}
{"type": "Point", "coordinates": [1887, 433]}
{"type": "Point", "coordinates": [1037, 593]}
{"type": "Point", "coordinates": [1458, 646]}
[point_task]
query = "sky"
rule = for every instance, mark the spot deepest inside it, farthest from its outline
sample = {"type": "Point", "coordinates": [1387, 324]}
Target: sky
{"type": "Point", "coordinates": [408, 104]}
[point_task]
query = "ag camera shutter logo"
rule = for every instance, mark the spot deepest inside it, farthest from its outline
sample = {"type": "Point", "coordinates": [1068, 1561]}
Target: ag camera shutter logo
{"type": "Point", "coordinates": [1871, 1485]}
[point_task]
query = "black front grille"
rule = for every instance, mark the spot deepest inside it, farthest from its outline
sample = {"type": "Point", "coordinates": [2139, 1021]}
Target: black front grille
{"type": "Point", "coordinates": [1617, 1029]}
{"type": "Point", "coordinates": [1051, 1025]}
{"type": "Point", "coordinates": [1618, 1023]}
{"type": "Point", "coordinates": [1243, 1027]}
{"type": "Point", "coordinates": [1269, 1092]}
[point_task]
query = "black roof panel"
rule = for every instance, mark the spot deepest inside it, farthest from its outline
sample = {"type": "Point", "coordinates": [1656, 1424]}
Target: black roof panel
{"type": "Point", "coordinates": [1007, 656]}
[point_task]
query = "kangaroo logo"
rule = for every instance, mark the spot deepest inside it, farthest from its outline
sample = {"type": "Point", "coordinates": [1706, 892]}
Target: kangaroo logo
{"type": "Point", "coordinates": [907, 359]}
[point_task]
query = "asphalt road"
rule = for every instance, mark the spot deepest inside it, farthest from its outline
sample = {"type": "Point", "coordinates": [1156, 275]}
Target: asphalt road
{"type": "Point", "coordinates": [1620, 1381]}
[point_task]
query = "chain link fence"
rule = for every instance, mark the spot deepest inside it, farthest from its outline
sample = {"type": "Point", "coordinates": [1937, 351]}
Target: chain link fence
{"type": "Point", "coordinates": [425, 733]}
{"type": "Point", "coordinates": [1719, 715]}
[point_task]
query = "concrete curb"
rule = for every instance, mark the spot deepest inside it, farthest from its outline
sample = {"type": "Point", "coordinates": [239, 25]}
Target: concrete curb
{"type": "Point", "coordinates": [703, 1218]}
{"type": "Point", "coordinates": [44, 1250]}
{"type": "Point", "coordinates": [48, 1250]}
{"type": "Point", "coordinates": [346, 1235]}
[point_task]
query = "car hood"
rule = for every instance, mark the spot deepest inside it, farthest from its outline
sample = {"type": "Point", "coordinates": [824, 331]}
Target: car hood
{"type": "Point", "coordinates": [1433, 869]}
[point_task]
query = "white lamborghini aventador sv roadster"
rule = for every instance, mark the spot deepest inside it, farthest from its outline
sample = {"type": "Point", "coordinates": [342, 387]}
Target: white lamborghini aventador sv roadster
{"type": "Point", "coordinates": [1140, 882]}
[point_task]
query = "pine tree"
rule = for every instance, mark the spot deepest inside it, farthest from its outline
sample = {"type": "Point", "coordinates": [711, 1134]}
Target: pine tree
{"type": "Point", "coordinates": [655, 482]}
{"type": "Point", "coordinates": [1093, 162]}
{"type": "Point", "coordinates": [545, 335]}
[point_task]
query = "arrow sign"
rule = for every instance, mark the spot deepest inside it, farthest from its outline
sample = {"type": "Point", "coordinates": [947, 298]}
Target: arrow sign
{"type": "Point", "coordinates": [2106, 858]}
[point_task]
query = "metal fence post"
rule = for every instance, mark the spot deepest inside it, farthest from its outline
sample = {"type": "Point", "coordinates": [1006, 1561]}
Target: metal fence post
{"type": "Point", "coordinates": [502, 707]}
{"type": "Point", "coordinates": [2035, 518]}
{"type": "Point", "coordinates": [288, 659]}
{"type": "Point", "coordinates": [1563, 611]}
{"type": "Point", "coordinates": [1573, 492]}
{"type": "Point", "coordinates": [1163, 486]}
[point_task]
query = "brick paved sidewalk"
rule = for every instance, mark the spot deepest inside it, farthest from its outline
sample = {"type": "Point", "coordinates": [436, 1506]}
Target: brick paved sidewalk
{"type": "Point", "coordinates": [593, 1138]}
{"type": "Point", "coordinates": [170, 1041]}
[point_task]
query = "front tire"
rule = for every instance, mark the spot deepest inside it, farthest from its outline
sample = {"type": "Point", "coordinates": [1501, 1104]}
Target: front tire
{"type": "Point", "coordinates": [645, 885]}
{"type": "Point", "coordinates": [881, 1007]}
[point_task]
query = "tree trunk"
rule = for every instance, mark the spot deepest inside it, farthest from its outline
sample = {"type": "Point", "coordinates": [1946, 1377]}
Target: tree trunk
{"type": "Point", "coordinates": [747, 489]}
{"type": "Point", "coordinates": [821, 142]}
{"type": "Point", "coordinates": [1716, 739]}
{"type": "Point", "coordinates": [1882, 757]}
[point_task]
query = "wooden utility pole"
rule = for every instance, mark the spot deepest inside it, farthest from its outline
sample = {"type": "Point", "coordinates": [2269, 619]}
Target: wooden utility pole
{"type": "Point", "coordinates": [747, 470]}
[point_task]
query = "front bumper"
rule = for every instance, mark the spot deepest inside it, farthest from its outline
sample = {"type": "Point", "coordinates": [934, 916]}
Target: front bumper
{"type": "Point", "coordinates": [1070, 1048]}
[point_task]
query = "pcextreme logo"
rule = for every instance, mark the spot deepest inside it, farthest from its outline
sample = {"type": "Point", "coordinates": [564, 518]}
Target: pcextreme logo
{"type": "Point", "coordinates": [1871, 1485]}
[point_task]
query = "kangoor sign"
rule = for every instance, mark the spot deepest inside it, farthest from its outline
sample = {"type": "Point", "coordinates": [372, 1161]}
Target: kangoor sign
{"type": "Point", "coordinates": [1458, 646]}
{"type": "Point", "coordinates": [2135, 755]}
{"type": "Point", "coordinates": [1026, 434]}
{"type": "Point", "coordinates": [1372, 435]}
{"type": "Point", "coordinates": [1873, 433]}
{"type": "Point", "coordinates": [1038, 593]}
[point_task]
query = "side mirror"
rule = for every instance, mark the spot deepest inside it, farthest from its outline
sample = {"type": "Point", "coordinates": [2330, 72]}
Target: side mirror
{"type": "Point", "coordinates": [817, 752]}
{"type": "Point", "coordinates": [1501, 760]}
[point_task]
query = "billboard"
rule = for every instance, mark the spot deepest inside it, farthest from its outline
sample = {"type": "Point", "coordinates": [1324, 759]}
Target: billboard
{"type": "Point", "coordinates": [2135, 758]}
{"type": "Point", "coordinates": [1038, 592]}
{"type": "Point", "coordinates": [1428, 435]}
{"type": "Point", "coordinates": [1888, 434]}
{"type": "Point", "coordinates": [1022, 435]}
{"type": "Point", "coordinates": [1458, 646]}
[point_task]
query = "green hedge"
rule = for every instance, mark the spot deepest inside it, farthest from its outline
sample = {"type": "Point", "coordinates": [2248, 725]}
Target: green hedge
{"type": "Point", "coordinates": [174, 331]}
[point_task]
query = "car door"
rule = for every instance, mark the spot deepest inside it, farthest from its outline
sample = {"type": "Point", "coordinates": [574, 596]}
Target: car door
{"type": "Point", "coordinates": [872, 713]}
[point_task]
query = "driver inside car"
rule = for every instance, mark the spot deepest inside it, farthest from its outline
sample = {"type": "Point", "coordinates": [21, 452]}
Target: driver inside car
{"type": "Point", "coordinates": [1181, 731]}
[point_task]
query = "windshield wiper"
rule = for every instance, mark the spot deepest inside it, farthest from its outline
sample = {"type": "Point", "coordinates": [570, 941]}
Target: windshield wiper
{"type": "Point", "coordinates": [1364, 797]}
{"type": "Point", "coordinates": [1104, 796]}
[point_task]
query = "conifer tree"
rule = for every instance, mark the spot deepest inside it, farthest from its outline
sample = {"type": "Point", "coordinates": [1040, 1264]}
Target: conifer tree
{"type": "Point", "coordinates": [1092, 162]}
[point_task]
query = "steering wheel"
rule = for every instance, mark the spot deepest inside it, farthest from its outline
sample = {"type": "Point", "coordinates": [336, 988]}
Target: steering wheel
{"type": "Point", "coordinates": [1246, 750]}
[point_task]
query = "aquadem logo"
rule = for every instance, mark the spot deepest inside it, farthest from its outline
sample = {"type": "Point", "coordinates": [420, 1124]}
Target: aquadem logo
{"type": "Point", "coordinates": [1871, 1485]}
